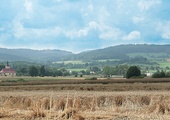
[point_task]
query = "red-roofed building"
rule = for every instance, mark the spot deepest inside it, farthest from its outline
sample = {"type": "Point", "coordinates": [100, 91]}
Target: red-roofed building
{"type": "Point", "coordinates": [7, 71]}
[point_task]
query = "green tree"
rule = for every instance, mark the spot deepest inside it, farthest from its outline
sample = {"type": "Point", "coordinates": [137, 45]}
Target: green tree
{"type": "Point", "coordinates": [156, 75]}
{"type": "Point", "coordinates": [33, 71]}
{"type": "Point", "coordinates": [87, 72]}
{"type": "Point", "coordinates": [162, 74]}
{"type": "Point", "coordinates": [42, 71]}
{"type": "Point", "coordinates": [59, 73]}
{"type": "Point", "coordinates": [159, 74]}
{"type": "Point", "coordinates": [106, 70]}
{"type": "Point", "coordinates": [167, 74]}
{"type": "Point", "coordinates": [22, 70]}
{"type": "Point", "coordinates": [95, 69]}
{"type": "Point", "coordinates": [2, 66]}
{"type": "Point", "coordinates": [133, 71]}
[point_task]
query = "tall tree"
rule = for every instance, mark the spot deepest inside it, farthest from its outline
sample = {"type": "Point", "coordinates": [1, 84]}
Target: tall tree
{"type": "Point", "coordinates": [42, 70]}
{"type": "Point", "coordinates": [33, 71]}
{"type": "Point", "coordinates": [133, 71]}
{"type": "Point", "coordinates": [106, 70]}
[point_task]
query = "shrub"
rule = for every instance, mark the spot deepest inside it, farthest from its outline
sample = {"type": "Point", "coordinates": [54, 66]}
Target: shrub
{"type": "Point", "coordinates": [81, 75]}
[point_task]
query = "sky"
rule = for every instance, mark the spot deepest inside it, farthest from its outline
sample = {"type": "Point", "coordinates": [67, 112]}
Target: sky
{"type": "Point", "coordinates": [80, 25]}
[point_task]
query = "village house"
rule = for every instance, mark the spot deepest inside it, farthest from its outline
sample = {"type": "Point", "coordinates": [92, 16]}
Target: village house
{"type": "Point", "coordinates": [7, 71]}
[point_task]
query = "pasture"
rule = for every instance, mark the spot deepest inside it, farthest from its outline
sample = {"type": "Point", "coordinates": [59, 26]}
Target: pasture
{"type": "Point", "coordinates": [52, 98]}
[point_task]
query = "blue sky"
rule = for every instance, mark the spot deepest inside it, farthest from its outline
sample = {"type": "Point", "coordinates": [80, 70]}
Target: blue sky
{"type": "Point", "coordinates": [80, 25]}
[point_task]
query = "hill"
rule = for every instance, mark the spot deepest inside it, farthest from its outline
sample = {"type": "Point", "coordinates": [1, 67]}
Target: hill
{"type": "Point", "coordinates": [125, 51]}
{"type": "Point", "coordinates": [32, 55]}
{"type": "Point", "coordinates": [120, 52]}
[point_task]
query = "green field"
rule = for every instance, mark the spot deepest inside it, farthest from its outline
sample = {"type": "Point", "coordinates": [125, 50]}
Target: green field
{"type": "Point", "coordinates": [164, 64]}
{"type": "Point", "coordinates": [77, 70]}
{"type": "Point", "coordinates": [72, 62]}
{"type": "Point", "coordinates": [104, 60]}
{"type": "Point", "coordinates": [148, 55]}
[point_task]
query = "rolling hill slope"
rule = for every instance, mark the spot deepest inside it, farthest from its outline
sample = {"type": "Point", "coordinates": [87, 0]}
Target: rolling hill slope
{"type": "Point", "coordinates": [32, 55]}
{"type": "Point", "coordinates": [114, 52]}
{"type": "Point", "coordinates": [125, 51]}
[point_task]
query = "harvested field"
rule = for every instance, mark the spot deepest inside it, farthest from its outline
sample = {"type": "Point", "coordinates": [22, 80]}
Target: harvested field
{"type": "Point", "coordinates": [85, 105]}
{"type": "Point", "coordinates": [84, 101]}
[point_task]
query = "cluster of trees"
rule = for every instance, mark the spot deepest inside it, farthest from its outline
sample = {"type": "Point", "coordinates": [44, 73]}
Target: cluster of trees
{"type": "Point", "coordinates": [42, 71]}
{"type": "Point", "coordinates": [161, 74]}
{"type": "Point", "coordinates": [34, 69]}
{"type": "Point", "coordinates": [115, 70]}
{"type": "Point", "coordinates": [107, 71]}
{"type": "Point", "coordinates": [101, 64]}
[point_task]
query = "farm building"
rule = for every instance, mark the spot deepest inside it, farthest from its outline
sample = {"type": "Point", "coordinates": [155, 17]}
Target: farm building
{"type": "Point", "coordinates": [7, 71]}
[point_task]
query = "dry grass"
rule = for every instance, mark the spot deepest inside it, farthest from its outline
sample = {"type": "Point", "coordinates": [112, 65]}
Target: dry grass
{"type": "Point", "coordinates": [75, 101]}
{"type": "Point", "coordinates": [47, 105]}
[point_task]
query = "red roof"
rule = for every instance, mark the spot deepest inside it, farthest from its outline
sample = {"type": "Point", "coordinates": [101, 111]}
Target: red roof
{"type": "Point", "coordinates": [7, 70]}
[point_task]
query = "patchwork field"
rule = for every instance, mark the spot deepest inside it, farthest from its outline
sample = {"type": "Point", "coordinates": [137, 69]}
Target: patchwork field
{"type": "Point", "coordinates": [85, 101]}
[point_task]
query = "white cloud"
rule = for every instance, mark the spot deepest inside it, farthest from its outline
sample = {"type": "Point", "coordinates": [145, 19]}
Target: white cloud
{"type": "Point", "coordinates": [63, 20]}
{"type": "Point", "coordinates": [90, 8]}
{"type": "Point", "coordinates": [132, 35]}
{"type": "Point", "coordinates": [166, 35]}
{"type": "Point", "coordinates": [77, 33]}
{"type": "Point", "coordinates": [147, 4]}
{"type": "Point", "coordinates": [109, 33]}
{"type": "Point", "coordinates": [137, 19]}
{"type": "Point", "coordinates": [18, 29]}
{"type": "Point", "coordinates": [164, 29]}
{"type": "Point", "coordinates": [20, 32]}
{"type": "Point", "coordinates": [93, 25]}
{"type": "Point", "coordinates": [28, 6]}
{"type": "Point", "coordinates": [45, 33]}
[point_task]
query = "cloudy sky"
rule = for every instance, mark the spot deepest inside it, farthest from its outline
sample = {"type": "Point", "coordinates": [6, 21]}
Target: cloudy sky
{"type": "Point", "coordinates": [79, 25]}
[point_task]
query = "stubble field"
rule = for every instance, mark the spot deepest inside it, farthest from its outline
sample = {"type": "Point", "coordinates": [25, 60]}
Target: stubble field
{"type": "Point", "coordinates": [85, 101]}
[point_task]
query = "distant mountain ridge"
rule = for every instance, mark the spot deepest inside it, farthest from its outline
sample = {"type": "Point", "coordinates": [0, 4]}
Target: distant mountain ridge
{"type": "Point", "coordinates": [32, 55]}
{"type": "Point", "coordinates": [113, 52]}
{"type": "Point", "coordinates": [121, 51]}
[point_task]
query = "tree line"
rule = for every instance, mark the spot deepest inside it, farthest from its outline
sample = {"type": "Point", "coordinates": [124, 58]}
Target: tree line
{"type": "Point", "coordinates": [42, 70]}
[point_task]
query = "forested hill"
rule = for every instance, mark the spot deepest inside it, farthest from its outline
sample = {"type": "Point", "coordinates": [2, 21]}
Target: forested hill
{"type": "Point", "coordinates": [123, 52]}
{"type": "Point", "coordinates": [114, 52]}
{"type": "Point", "coordinates": [32, 55]}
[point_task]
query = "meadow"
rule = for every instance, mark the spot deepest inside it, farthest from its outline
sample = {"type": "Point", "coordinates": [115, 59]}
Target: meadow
{"type": "Point", "coordinates": [79, 99]}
